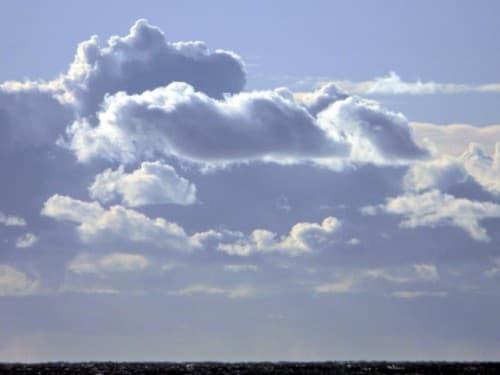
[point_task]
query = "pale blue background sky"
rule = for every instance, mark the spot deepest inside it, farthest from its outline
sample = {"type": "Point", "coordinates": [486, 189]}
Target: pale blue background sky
{"type": "Point", "coordinates": [283, 43]}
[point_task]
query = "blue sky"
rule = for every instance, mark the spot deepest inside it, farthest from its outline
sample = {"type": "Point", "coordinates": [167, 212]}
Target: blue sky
{"type": "Point", "coordinates": [249, 181]}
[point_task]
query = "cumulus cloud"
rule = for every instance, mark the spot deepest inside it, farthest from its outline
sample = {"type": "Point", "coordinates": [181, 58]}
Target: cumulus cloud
{"type": "Point", "coordinates": [303, 238]}
{"type": "Point", "coordinates": [446, 171]}
{"type": "Point", "coordinates": [116, 223]}
{"type": "Point", "coordinates": [484, 169]}
{"type": "Point", "coordinates": [417, 273]}
{"type": "Point", "coordinates": [115, 262]}
{"type": "Point", "coordinates": [26, 240]}
{"type": "Point", "coordinates": [434, 208]}
{"type": "Point", "coordinates": [440, 173]}
{"type": "Point", "coordinates": [453, 139]}
{"type": "Point", "coordinates": [16, 283]}
{"type": "Point", "coordinates": [374, 133]}
{"type": "Point", "coordinates": [11, 220]}
{"type": "Point", "coordinates": [322, 98]}
{"type": "Point", "coordinates": [178, 121]}
{"type": "Point", "coordinates": [143, 60]}
{"type": "Point", "coordinates": [152, 183]}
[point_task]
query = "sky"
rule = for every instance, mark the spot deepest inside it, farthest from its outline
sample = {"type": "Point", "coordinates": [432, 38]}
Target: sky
{"type": "Point", "coordinates": [249, 181]}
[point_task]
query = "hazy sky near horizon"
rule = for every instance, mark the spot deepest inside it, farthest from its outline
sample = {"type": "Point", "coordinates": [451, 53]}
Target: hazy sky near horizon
{"type": "Point", "coordinates": [249, 181]}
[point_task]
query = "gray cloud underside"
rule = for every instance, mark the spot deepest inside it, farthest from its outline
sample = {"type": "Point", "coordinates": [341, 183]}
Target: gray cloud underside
{"type": "Point", "coordinates": [178, 121]}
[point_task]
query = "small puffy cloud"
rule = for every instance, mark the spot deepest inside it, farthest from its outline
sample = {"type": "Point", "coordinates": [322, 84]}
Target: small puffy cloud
{"type": "Point", "coordinates": [152, 183]}
{"type": "Point", "coordinates": [143, 60]}
{"type": "Point", "coordinates": [433, 208]}
{"type": "Point", "coordinates": [115, 262]}
{"type": "Point", "coordinates": [303, 238]}
{"type": "Point", "coordinates": [115, 223]}
{"type": "Point", "coordinates": [408, 294]}
{"type": "Point", "coordinates": [353, 241]}
{"type": "Point", "coordinates": [16, 283]}
{"type": "Point", "coordinates": [11, 220]}
{"type": "Point", "coordinates": [26, 240]}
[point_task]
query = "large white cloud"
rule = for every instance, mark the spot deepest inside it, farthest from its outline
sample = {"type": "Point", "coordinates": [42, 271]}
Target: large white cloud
{"type": "Point", "coordinates": [152, 183]}
{"type": "Point", "coordinates": [142, 60]}
{"type": "Point", "coordinates": [178, 121]}
{"type": "Point", "coordinates": [433, 208]}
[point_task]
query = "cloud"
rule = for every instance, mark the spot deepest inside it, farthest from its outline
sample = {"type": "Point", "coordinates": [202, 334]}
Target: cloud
{"type": "Point", "coordinates": [26, 240]}
{"type": "Point", "coordinates": [495, 270]}
{"type": "Point", "coordinates": [322, 98]}
{"type": "Point", "coordinates": [446, 171]}
{"type": "Point", "coordinates": [236, 268]}
{"type": "Point", "coordinates": [116, 224]}
{"type": "Point", "coordinates": [438, 173]}
{"type": "Point", "coordinates": [417, 293]}
{"type": "Point", "coordinates": [152, 183]}
{"type": "Point", "coordinates": [144, 60]}
{"type": "Point", "coordinates": [178, 121]}
{"type": "Point", "coordinates": [303, 238]}
{"type": "Point", "coordinates": [239, 291]}
{"type": "Point", "coordinates": [433, 208]}
{"type": "Point", "coordinates": [30, 116]}
{"type": "Point", "coordinates": [392, 84]}
{"type": "Point", "coordinates": [417, 273]}
{"type": "Point", "coordinates": [252, 126]}
{"type": "Point", "coordinates": [11, 220]}
{"type": "Point", "coordinates": [374, 133]}
{"type": "Point", "coordinates": [453, 139]}
{"type": "Point", "coordinates": [16, 283]}
{"type": "Point", "coordinates": [115, 262]}
{"type": "Point", "coordinates": [484, 169]}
